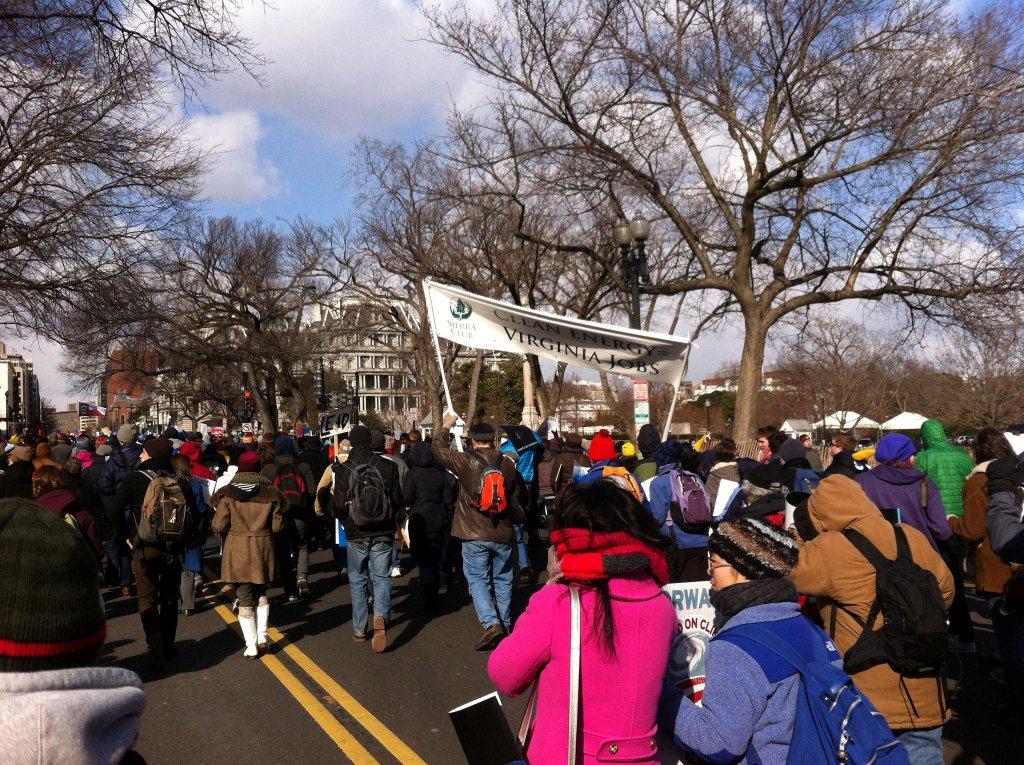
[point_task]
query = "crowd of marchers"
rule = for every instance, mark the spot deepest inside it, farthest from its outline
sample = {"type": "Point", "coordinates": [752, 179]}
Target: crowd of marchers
{"type": "Point", "coordinates": [847, 579]}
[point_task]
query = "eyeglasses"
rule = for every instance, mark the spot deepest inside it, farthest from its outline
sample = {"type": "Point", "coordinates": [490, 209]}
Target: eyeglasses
{"type": "Point", "coordinates": [711, 569]}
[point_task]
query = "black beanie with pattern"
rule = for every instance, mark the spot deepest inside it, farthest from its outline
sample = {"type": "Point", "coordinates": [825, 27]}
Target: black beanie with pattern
{"type": "Point", "coordinates": [51, 615]}
{"type": "Point", "coordinates": [755, 548]}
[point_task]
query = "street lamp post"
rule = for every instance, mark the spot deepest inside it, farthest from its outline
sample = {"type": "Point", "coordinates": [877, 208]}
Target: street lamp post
{"type": "Point", "coordinates": [707, 408]}
{"type": "Point", "coordinates": [631, 237]}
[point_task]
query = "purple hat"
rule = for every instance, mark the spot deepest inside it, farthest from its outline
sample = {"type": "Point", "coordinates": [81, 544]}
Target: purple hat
{"type": "Point", "coordinates": [895, 447]}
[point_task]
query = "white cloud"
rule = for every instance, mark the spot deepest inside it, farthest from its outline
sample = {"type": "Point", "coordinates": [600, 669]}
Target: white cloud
{"type": "Point", "coordinates": [236, 174]}
{"type": "Point", "coordinates": [343, 69]}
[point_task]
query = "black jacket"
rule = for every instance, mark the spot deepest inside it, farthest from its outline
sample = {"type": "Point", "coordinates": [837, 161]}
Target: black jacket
{"type": "Point", "coordinates": [429, 489]}
{"type": "Point", "coordinates": [17, 480]}
{"type": "Point", "coordinates": [337, 498]}
{"type": "Point", "coordinates": [89, 497]}
{"type": "Point", "coordinates": [314, 456]}
{"type": "Point", "coordinates": [283, 461]}
{"type": "Point", "coordinates": [131, 492]}
{"type": "Point", "coordinates": [844, 464]}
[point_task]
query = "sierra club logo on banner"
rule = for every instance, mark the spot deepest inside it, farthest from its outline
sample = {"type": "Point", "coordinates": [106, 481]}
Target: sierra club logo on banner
{"type": "Point", "coordinates": [481, 322]}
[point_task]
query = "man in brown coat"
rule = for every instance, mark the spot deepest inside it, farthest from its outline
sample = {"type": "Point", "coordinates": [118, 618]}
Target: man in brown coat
{"type": "Point", "coordinates": [249, 511]}
{"type": "Point", "coordinates": [563, 466]}
{"type": "Point", "coordinates": [486, 539]}
{"type": "Point", "coordinates": [831, 569]}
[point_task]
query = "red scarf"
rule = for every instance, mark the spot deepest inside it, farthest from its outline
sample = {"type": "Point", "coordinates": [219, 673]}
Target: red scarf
{"type": "Point", "coordinates": [587, 555]}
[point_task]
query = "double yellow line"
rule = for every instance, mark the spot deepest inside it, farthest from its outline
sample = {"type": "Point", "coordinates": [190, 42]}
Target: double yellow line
{"type": "Point", "coordinates": [338, 733]}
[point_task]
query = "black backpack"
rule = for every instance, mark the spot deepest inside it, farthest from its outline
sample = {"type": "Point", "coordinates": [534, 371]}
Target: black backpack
{"type": "Point", "coordinates": [369, 500]}
{"type": "Point", "coordinates": [914, 638]}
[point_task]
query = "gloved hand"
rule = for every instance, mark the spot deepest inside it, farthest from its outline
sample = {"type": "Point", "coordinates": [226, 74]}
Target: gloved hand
{"type": "Point", "coordinates": [1005, 474]}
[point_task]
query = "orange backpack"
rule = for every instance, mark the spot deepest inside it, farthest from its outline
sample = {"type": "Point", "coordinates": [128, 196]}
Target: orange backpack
{"type": "Point", "coordinates": [492, 499]}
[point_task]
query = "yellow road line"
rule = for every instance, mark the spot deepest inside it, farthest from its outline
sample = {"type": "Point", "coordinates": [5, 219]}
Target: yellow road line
{"type": "Point", "coordinates": [346, 700]}
{"type": "Point", "coordinates": [357, 711]}
{"type": "Point", "coordinates": [345, 741]}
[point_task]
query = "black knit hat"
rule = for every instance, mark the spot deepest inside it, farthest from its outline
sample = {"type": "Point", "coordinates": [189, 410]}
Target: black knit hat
{"type": "Point", "coordinates": [359, 435]}
{"type": "Point", "coordinates": [52, 615]}
{"type": "Point", "coordinates": [482, 431]}
{"type": "Point", "coordinates": [755, 548]}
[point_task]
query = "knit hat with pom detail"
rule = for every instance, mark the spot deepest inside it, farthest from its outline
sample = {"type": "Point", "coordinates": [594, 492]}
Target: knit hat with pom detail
{"type": "Point", "coordinates": [755, 548]}
{"type": "Point", "coordinates": [52, 616]}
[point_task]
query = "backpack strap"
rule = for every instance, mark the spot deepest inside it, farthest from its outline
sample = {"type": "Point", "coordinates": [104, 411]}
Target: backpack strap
{"type": "Point", "coordinates": [902, 544]}
{"type": "Point", "coordinates": [769, 641]}
{"type": "Point", "coordinates": [924, 493]}
{"type": "Point", "coordinates": [868, 550]}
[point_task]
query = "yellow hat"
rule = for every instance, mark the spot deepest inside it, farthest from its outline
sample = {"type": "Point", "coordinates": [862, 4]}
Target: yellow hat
{"type": "Point", "coordinates": [864, 454]}
{"type": "Point", "coordinates": [628, 450]}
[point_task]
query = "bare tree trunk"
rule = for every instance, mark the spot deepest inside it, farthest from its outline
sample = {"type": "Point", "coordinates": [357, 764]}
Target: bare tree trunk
{"type": "Point", "coordinates": [749, 383]}
{"type": "Point", "coordinates": [474, 386]}
{"type": "Point", "coordinates": [613, 404]}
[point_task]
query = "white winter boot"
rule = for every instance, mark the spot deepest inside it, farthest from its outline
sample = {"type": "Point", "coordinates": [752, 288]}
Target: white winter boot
{"type": "Point", "coordinates": [248, 624]}
{"type": "Point", "coordinates": [262, 616]}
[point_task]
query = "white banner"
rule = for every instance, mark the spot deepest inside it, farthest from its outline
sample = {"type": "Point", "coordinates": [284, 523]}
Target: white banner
{"type": "Point", "coordinates": [482, 322]}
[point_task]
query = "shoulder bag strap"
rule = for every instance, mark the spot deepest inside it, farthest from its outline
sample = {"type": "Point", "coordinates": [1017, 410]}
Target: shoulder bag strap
{"type": "Point", "coordinates": [924, 493]}
{"type": "Point", "coordinates": [902, 545]}
{"type": "Point", "coordinates": [574, 674]}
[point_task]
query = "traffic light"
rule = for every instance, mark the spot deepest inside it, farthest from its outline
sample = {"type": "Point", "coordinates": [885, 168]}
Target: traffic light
{"type": "Point", "coordinates": [16, 399]}
{"type": "Point", "coordinates": [249, 407]}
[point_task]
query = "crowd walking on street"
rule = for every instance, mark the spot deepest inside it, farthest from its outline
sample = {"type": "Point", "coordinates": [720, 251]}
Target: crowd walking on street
{"type": "Point", "coordinates": [853, 575]}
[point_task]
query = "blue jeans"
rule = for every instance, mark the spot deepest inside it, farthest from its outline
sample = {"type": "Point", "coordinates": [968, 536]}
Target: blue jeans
{"type": "Point", "coordinates": [120, 558]}
{"type": "Point", "coordinates": [371, 556]}
{"type": "Point", "coordinates": [488, 569]}
{"type": "Point", "coordinates": [924, 747]}
{"type": "Point", "coordinates": [522, 554]}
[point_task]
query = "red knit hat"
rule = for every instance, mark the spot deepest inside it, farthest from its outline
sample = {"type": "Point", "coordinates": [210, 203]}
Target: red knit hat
{"type": "Point", "coordinates": [602, 447]}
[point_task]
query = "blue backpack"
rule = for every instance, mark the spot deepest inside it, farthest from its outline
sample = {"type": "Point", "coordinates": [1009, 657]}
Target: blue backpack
{"type": "Point", "coordinates": [835, 722]}
{"type": "Point", "coordinates": [806, 481]}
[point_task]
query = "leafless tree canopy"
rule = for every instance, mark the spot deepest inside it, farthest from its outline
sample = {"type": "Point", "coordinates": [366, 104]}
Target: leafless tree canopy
{"type": "Point", "coordinates": [93, 169]}
{"type": "Point", "coordinates": [796, 153]}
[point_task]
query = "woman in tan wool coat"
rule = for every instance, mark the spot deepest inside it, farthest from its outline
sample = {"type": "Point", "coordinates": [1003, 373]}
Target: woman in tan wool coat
{"type": "Point", "coordinates": [249, 511]}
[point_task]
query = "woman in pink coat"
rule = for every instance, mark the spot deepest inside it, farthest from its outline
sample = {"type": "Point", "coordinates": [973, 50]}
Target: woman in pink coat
{"type": "Point", "coordinates": [608, 547]}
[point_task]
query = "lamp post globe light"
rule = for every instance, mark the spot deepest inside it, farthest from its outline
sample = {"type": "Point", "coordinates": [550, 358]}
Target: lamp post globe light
{"type": "Point", "coordinates": [631, 237]}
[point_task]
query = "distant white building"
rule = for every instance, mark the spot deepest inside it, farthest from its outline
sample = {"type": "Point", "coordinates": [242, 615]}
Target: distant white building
{"type": "Point", "coordinates": [21, 406]}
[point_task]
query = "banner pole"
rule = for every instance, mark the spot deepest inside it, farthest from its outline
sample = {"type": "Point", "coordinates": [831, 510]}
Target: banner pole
{"type": "Point", "coordinates": [675, 396]}
{"type": "Point", "coordinates": [440, 357]}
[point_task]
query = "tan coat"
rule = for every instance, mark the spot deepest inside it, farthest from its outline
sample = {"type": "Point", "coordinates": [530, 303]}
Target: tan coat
{"type": "Point", "coordinates": [830, 568]}
{"type": "Point", "coordinates": [990, 573]}
{"type": "Point", "coordinates": [249, 526]}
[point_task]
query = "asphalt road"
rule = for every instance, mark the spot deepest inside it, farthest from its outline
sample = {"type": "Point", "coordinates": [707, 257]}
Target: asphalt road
{"type": "Point", "coordinates": [320, 697]}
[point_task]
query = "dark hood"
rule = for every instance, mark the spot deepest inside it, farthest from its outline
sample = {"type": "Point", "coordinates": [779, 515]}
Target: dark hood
{"type": "Point", "coordinates": [897, 476]}
{"type": "Point", "coordinates": [845, 458]}
{"type": "Point", "coordinates": [421, 455]}
{"type": "Point", "coordinates": [647, 440]}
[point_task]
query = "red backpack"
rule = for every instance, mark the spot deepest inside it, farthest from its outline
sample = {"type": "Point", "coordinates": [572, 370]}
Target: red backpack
{"type": "Point", "coordinates": [492, 499]}
{"type": "Point", "coordinates": [290, 484]}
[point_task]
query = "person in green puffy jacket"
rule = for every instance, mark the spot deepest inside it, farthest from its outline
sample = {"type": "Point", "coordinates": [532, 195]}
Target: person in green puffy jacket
{"type": "Point", "coordinates": [946, 464]}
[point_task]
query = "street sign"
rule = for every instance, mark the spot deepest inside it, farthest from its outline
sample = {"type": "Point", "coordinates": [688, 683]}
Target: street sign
{"type": "Point", "coordinates": [247, 427]}
{"type": "Point", "coordinates": [641, 413]}
{"type": "Point", "coordinates": [335, 423]}
{"type": "Point", "coordinates": [216, 431]}
{"type": "Point", "coordinates": [641, 391]}
{"type": "Point", "coordinates": [83, 409]}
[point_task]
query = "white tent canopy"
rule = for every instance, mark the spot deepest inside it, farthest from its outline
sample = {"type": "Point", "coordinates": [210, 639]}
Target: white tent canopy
{"type": "Point", "coordinates": [795, 427]}
{"type": "Point", "coordinates": [904, 421]}
{"type": "Point", "coordinates": [847, 420]}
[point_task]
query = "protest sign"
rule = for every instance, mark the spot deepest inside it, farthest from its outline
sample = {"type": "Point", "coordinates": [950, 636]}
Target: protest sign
{"type": "Point", "coordinates": [335, 423]}
{"type": "Point", "coordinates": [477, 321]}
{"type": "Point", "coordinates": [687, 660]}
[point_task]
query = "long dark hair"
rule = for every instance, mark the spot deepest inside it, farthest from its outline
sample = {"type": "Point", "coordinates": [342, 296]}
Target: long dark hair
{"type": "Point", "coordinates": [604, 507]}
{"type": "Point", "coordinates": [991, 444]}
